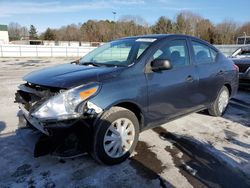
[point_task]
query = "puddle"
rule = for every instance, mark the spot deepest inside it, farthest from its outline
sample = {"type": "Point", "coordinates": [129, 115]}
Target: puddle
{"type": "Point", "coordinates": [146, 164]}
{"type": "Point", "coordinates": [199, 167]}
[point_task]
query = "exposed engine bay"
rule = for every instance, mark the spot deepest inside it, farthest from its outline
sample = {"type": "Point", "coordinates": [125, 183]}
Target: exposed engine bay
{"type": "Point", "coordinates": [62, 138]}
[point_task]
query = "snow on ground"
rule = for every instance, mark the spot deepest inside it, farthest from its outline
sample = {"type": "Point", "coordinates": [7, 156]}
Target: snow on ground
{"type": "Point", "coordinates": [195, 151]}
{"type": "Point", "coordinates": [227, 139]}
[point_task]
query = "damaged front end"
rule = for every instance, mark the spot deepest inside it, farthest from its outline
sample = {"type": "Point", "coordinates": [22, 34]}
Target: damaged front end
{"type": "Point", "coordinates": [55, 120]}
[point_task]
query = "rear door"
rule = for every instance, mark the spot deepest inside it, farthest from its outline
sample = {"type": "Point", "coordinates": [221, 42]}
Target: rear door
{"type": "Point", "coordinates": [171, 92]}
{"type": "Point", "coordinates": [209, 69]}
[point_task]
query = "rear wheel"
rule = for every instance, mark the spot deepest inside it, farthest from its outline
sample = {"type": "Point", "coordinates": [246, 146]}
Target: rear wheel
{"type": "Point", "coordinates": [116, 135]}
{"type": "Point", "coordinates": [220, 104]}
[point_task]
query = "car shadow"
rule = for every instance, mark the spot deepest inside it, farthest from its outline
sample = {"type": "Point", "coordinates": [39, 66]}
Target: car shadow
{"type": "Point", "coordinates": [238, 112]}
{"type": "Point", "coordinates": [23, 170]}
{"type": "Point", "coordinates": [198, 165]}
{"type": "Point", "coordinates": [2, 126]}
{"type": "Point", "coordinates": [238, 109]}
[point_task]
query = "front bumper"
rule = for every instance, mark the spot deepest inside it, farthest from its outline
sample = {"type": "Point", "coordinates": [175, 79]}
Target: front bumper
{"type": "Point", "coordinates": [61, 141]}
{"type": "Point", "coordinates": [48, 128]}
{"type": "Point", "coordinates": [36, 142]}
{"type": "Point", "coordinates": [26, 120]}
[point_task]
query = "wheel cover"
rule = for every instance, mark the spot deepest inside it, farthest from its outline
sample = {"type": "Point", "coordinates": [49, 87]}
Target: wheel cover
{"type": "Point", "coordinates": [223, 101]}
{"type": "Point", "coordinates": [119, 137]}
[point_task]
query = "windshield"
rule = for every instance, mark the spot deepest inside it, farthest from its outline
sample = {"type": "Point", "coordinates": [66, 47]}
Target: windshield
{"type": "Point", "coordinates": [242, 52]}
{"type": "Point", "coordinates": [117, 53]}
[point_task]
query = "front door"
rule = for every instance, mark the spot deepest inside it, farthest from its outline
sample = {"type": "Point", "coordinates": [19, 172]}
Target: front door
{"type": "Point", "coordinates": [171, 92]}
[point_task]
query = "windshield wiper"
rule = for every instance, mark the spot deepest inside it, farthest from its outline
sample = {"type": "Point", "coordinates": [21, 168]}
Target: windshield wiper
{"type": "Point", "coordinates": [101, 64]}
{"type": "Point", "coordinates": [91, 63]}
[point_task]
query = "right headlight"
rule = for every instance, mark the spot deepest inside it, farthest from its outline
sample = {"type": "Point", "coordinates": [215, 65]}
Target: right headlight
{"type": "Point", "coordinates": [65, 105]}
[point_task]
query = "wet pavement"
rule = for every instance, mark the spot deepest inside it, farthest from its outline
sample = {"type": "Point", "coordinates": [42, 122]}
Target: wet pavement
{"type": "Point", "coordinates": [194, 151]}
{"type": "Point", "coordinates": [200, 167]}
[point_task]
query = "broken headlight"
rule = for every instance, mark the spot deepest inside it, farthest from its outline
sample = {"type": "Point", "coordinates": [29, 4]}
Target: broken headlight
{"type": "Point", "coordinates": [65, 105]}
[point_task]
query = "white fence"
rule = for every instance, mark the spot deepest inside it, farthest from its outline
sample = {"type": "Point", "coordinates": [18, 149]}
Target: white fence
{"type": "Point", "coordinates": [68, 51]}
{"type": "Point", "coordinates": [43, 51]}
{"type": "Point", "coordinates": [228, 49]}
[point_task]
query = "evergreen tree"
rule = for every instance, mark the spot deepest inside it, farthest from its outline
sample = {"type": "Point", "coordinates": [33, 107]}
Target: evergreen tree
{"type": "Point", "coordinates": [49, 35]}
{"type": "Point", "coordinates": [33, 33]}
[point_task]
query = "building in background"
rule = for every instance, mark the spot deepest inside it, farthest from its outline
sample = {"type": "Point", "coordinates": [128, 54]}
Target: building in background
{"type": "Point", "coordinates": [243, 40]}
{"type": "Point", "coordinates": [56, 43]}
{"type": "Point", "coordinates": [4, 35]}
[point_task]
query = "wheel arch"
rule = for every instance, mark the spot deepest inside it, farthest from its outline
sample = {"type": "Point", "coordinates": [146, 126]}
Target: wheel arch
{"type": "Point", "coordinates": [133, 107]}
{"type": "Point", "coordinates": [228, 86]}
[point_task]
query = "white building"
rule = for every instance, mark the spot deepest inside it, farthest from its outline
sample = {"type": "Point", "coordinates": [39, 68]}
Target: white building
{"type": "Point", "coordinates": [4, 35]}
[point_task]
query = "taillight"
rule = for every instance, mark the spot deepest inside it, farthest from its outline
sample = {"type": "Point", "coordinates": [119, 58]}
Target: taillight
{"type": "Point", "coordinates": [236, 67]}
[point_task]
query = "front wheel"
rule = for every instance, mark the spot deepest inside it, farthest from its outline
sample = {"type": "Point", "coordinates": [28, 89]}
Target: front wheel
{"type": "Point", "coordinates": [220, 104]}
{"type": "Point", "coordinates": [115, 136]}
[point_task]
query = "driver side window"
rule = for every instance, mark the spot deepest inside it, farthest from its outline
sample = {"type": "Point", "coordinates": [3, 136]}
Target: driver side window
{"type": "Point", "coordinates": [176, 51]}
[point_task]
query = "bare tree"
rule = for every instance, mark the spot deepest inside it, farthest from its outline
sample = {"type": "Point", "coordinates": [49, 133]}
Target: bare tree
{"type": "Point", "coordinates": [138, 20]}
{"type": "Point", "coordinates": [243, 30]}
{"type": "Point", "coordinates": [226, 31]}
{"type": "Point", "coordinates": [163, 25]}
{"type": "Point", "coordinates": [205, 30]}
{"type": "Point", "coordinates": [17, 32]}
{"type": "Point", "coordinates": [69, 33]}
{"type": "Point", "coordinates": [186, 23]}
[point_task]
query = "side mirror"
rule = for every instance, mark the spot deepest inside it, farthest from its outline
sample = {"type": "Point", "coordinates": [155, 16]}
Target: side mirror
{"type": "Point", "coordinates": [161, 64]}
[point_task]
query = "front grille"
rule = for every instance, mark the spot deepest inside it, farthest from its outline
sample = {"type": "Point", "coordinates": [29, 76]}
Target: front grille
{"type": "Point", "coordinates": [243, 67]}
{"type": "Point", "coordinates": [32, 96]}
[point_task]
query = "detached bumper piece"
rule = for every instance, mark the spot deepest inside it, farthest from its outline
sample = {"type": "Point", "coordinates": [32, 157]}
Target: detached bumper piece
{"type": "Point", "coordinates": [64, 142]}
{"type": "Point", "coordinates": [36, 142]}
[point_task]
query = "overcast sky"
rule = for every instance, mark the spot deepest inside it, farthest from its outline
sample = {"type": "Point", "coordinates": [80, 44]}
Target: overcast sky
{"type": "Point", "coordinates": [44, 13]}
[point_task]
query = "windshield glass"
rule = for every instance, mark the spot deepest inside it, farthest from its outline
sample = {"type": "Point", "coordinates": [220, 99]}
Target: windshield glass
{"type": "Point", "coordinates": [117, 53]}
{"type": "Point", "coordinates": [244, 53]}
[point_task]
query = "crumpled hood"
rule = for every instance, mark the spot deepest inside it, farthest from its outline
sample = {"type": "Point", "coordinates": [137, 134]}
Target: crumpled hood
{"type": "Point", "coordinates": [71, 75]}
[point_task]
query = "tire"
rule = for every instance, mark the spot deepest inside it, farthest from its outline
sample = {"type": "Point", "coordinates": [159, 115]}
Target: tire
{"type": "Point", "coordinates": [219, 106]}
{"type": "Point", "coordinates": [117, 128]}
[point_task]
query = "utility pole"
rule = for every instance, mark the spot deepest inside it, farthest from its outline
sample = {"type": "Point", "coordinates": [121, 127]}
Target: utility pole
{"type": "Point", "coordinates": [245, 37]}
{"type": "Point", "coordinates": [114, 13]}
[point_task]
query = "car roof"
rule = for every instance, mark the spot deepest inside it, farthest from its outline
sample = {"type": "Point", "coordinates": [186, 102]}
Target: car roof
{"type": "Point", "coordinates": [165, 36]}
{"type": "Point", "coordinates": [159, 36]}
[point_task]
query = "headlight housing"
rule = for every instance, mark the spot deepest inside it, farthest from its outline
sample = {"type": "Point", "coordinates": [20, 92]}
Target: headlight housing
{"type": "Point", "coordinates": [66, 104]}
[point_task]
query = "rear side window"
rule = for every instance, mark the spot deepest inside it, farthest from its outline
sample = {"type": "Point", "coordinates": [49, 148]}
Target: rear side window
{"type": "Point", "coordinates": [176, 51]}
{"type": "Point", "coordinates": [203, 53]}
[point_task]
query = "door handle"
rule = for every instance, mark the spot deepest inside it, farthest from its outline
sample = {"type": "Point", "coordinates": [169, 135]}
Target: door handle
{"type": "Point", "coordinates": [189, 79]}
